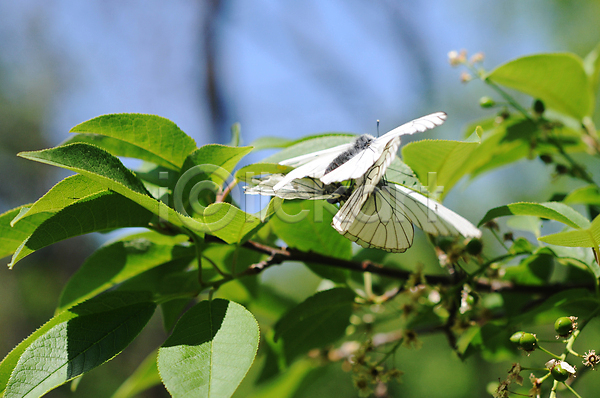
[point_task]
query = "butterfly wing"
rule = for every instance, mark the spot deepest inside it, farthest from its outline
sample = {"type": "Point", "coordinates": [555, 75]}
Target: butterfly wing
{"type": "Point", "coordinates": [419, 125]}
{"type": "Point", "coordinates": [377, 224]}
{"type": "Point", "coordinates": [385, 218]}
{"type": "Point", "coordinates": [365, 185]}
{"type": "Point", "coordinates": [302, 188]}
{"type": "Point", "coordinates": [430, 215]}
{"type": "Point", "coordinates": [310, 165]}
{"type": "Point", "coordinates": [385, 146]}
{"type": "Point", "coordinates": [303, 159]}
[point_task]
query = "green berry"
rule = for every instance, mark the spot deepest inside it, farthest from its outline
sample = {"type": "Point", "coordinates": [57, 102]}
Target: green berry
{"type": "Point", "coordinates": [474, 247]}
{"type": "Point", "coordinates": [445, 244]}
{"type": "Point", "coordinates": [516, 338]}
{"type": "Point", "coordinates": [564, 326]}
{"type": "Point", "coordinates": [528, 342]}
{"type": "Point", "coordinates": [559, 373]}
{"type": "Point", "coordinates": [486, 102]}
{"type": "Point", "coordinates": [538, 107]}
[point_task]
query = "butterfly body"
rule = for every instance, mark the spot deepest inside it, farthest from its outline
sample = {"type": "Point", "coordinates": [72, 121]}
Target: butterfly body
{"type": "Point", "coordinates": [358, 156]}
{"type": "Point", "coordinates": [360, 144]}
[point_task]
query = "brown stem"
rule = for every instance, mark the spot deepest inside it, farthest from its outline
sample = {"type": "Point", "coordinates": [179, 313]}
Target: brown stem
{"type": "Point", "coordinates": [279, 255]}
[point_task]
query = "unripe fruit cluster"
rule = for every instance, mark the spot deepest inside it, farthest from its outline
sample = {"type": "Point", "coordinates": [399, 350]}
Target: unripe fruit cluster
{"type": "Point", "coordinates": [525, 341]}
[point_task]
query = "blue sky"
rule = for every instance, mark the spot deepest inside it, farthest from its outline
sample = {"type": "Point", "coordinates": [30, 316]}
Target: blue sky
{"type": "Point", "coordinates": [283, 68]}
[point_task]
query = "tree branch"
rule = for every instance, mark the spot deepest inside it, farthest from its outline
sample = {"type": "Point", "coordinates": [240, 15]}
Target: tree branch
{"type": "Point", "coordinates": [280, 255]}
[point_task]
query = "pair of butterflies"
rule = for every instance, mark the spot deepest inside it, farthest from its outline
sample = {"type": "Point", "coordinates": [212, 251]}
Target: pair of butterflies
{"type": "Point", "coordinates": [375, 214]}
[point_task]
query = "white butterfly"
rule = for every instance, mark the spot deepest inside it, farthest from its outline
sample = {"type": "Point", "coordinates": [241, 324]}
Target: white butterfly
{"type": "Point", "coordinates": [380, 219]}
{"type": "Point", "coordinates": [352, 160]}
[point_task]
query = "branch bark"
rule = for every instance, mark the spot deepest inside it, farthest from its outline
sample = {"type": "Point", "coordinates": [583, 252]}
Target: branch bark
{"type": "Point", "coordinates": [278, 255]}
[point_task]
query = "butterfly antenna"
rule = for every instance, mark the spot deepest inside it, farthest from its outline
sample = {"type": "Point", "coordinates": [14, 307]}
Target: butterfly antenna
{"type": "Point", "coordinates": [377, 127]}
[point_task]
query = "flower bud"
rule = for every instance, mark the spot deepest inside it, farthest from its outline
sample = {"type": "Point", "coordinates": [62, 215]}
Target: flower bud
{"type": "Point", "coordinates": [477, 57]}
{"type": "Point", "coordinates": [465, 77]}
{"type": "Point", "coordinates": [486, 102]}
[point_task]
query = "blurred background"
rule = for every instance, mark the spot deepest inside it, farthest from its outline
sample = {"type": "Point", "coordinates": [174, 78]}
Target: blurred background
{"type": "Point", "coordinates": [284, 69]}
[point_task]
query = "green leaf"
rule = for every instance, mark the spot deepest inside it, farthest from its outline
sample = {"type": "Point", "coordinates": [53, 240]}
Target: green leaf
{"type": "Point", "coordinates": [571, 297]}
{"type": "Point", "coordinates": [204, 174]}
{"type": "Point", "coordinates": [10, 361]}
{"type": "Point", "coordinates": [514, 139]}
{"type": "Point", "coordinates": [154, 134]}
{"type": "Point", "coordinates": [107, 170]}
{"type": "Point", "coordinates": [400, 173]}
{"type": "Point", "coordinates": [101, 212]}
{"type": "Point", "coordinates": [550, 210]}
{"type": "Point", "coordinates": [577, 238]}
{"type": "Point", "coordinates": [75, 347]}
{"type": "Point", "coordinates": [108, 301]}
{"type": "Point", "coordinates": [470, 336]}
{"type": "Point", "coordinates": [12, 237]}
{"type": "Point", "coordinates": [505, 144]}
{"type": "Point", "coordinates": [118, 261]}
{"type": "Point", "coordinates": [230, 259]}
{"type": "Point", "coordinates": [318, 321]}
{"type": "Point", "coordinates": [68, 191]}
{"type": "Point", "coordinates": [308, 145]}
{"type": "Point", "coordinates": [172, 310]}
{"type": "Point", "coordinates": [445, 158]}
{"type": "Point", "coordinates": [236, 136]}
{"type": "Point", "coordinates": [225, 157]}
{"type": "Point", "coordinates": [288, 383]}
{"type": "Point", "coordinates": [534, 270]}
{"type": "Point", "coordinates": [588, 195]}
{"type": "Point", "coordinates": [93, 162]}
{"type": "Point", "coordinates": [145, 376]}
{"type": "Point", "coordinates": [591, 63]}
{"type": "Point", "coordinates": [230, 223]}
{"type": "Point", "coordinates": [117, 147]}
{"type": "Point", "coordinates": [559, 80]}
{"type": "Point", "coordinates": [246, 173]}
{"type": "Point", "coordinates": [174, 279]}
{"type": "Point", "coordinates": [210, 351]}
{"type": "Point", "coordinates": [306, 225]}
{"type": "Point", "coordinates": [270, 143]}
{"type": "Point", "coordinates": [589, 237]}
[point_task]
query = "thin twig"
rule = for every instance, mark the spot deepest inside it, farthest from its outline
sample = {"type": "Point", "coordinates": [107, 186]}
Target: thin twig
{"type": "Point", "coordinates": [279, 255]}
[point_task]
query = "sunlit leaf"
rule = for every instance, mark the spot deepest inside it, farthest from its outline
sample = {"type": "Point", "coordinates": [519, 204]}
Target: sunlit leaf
{"type": "Point", "coordinates": [210, 350]}
{"type": "Point", "coordinates": [559, 80]}
{"type": "Point", "coordinates": [550, 210]}
{"type": "Point", "coordinates": [444, 158]}
{"type": "Point", "coordinates": [101, 212]}
{"type": "Point", "coordinates": [74, 347]}
{"type": "Point", "coordinates": [154, 134]}
{"type": "Point", "coordinates": [107, 170]}
{"type": "Point", "coordinates": [12, 237]}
